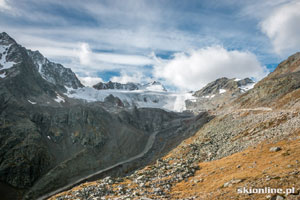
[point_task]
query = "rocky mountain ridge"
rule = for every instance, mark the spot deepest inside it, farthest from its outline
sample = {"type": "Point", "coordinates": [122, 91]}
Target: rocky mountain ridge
{"type": "Point", "coordinates": [218, 93]}
{"type": "Point", "coordinates": [52, 72]}
{"type": "Point", "coordinates": [155, 85]}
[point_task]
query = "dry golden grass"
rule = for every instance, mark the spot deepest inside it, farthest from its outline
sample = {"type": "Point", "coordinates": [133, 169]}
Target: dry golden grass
{"type": "Point", "coordinates": [254, 165]}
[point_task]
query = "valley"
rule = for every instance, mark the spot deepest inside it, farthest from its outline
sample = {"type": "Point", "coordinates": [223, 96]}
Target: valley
{"type": "Point", "coordinates": [63, 140]}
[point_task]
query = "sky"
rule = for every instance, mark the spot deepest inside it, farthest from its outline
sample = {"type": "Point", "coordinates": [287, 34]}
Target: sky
{"type": "Point", "coordinates": [184, 44]}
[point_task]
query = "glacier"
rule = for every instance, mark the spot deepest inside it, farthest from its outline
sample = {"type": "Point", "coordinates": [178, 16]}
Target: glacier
{"type": "Point", "coordinates": [151, 97]}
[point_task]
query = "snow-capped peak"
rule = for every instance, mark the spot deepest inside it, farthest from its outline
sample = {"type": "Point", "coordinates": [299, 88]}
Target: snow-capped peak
{"type": "Point", "coordinates": [154, 86]}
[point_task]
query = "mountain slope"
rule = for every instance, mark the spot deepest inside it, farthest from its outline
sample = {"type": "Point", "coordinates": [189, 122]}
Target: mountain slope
{"type": "Point", "coordinates": [244, 146]}
{"type": "Point", "coordinates": [283, 83]}
{"type": "Point", "coordinates": [218, 93]}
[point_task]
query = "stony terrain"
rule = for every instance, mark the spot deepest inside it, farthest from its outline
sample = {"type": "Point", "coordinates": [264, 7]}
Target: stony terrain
{"type": "Point", "coordinates": [253, 142]}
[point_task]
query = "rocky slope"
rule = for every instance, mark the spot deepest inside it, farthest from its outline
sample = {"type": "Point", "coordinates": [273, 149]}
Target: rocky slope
{"type": "Point", "coordinates": [278, 90]}
{"type": "Point", "coordinates": [245, 145]}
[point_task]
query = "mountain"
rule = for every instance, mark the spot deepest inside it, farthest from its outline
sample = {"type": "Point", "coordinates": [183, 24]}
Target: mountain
{"type": "Point", "coordinates": [13, 55]}
{"type": "Point", "coordinates": [219, 93]}
{"type": "Point", "coordinates": [49, 140]}
{"type": "Point", "coordinates": [278, 88]}
{"type": "Point", "coordinates": [116, 86]}
{"type": "Point", "coordinates": [252, 142]}
{"type": "Point", "coordinates": [222, 85]}
{"type": "Point", "coordinates": [53, 72]}
{"type": "Point", "coordinates": [153, 86]}
{"type": "Point", "coordinates": [28, 77]}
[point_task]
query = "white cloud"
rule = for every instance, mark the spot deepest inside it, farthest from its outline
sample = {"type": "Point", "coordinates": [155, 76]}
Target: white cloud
{"type": "Point", "coordinates": [122, 59]}
{"type": "Point", "coordinates": [282, 27]}
{"type": "Point", "coordinates": [4, 5]}
{"type": "Point", "coordinates": [90, 81]}
{"type": "Point", "coordinates": [137, 77]}
{"type": "Point", "coordinates": [195, 69]}
{"type": "Point", "coordinates": [84, 54]}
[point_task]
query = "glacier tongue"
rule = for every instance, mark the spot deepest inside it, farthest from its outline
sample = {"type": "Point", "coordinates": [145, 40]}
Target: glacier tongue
{"type": "Point", "coordinates": [141, 98]}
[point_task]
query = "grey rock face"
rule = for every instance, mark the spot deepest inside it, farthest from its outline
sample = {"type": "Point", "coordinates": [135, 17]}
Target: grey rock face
{"type": "Point", "coordinates": [116, 85]}
{"type": "Point", "coordinates": [53, 72]}
{"type": "Point", "coordinates": [113, 100]}
{"type": "Point", "coordinates": [127, 86]}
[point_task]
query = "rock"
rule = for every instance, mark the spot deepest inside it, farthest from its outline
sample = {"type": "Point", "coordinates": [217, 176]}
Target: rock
{"type": "Point", "coordinates": [274, 149]}
{"type": "Point", "coordinates": [233, 181]}
{"type": "Point", "coordinates": [277, 197]}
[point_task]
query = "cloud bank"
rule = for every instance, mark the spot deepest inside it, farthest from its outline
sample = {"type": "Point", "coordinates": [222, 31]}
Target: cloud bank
{"type": "Point", "coordinates": [4, 5]}
{"type": "Point", "coordinates": [282, 28]}
{"type": "Point", "coordinates": [195, 69]}
{"type": "Point", "coordinates": [90, 81]}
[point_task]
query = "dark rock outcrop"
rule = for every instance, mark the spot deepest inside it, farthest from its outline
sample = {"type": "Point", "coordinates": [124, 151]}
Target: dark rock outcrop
{"type": "Point", "coordinates": [116, 86]}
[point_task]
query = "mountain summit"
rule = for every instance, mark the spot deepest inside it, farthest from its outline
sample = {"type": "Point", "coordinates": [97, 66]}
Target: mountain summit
{"type": "Point", "coordinates": [12, 54]}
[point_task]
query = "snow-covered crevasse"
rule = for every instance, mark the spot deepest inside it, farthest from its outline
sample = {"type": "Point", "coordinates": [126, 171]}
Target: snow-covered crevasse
{"type": "Point", "coordinates": [171, 101]}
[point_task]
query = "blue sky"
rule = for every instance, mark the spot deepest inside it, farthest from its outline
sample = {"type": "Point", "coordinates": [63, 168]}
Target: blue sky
{"type": "Point", "coordinates": [183, 43]}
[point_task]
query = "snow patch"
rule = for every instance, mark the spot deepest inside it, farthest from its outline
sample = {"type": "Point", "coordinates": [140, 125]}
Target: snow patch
{"type": "Point", "coordinates": [209, 96]}
{"type": "Point", "coordinates": [49, 137]}
{"type": "Point", "coordinates": [247, 87]}
{"type": "Point", "coordinates": [221, 91]}
{"type": "Point", "coordinates": [32, 102]}
{"type": "Point", "coordinates": [2, 75]}
{"type": "Point", "coordinates": [3, 61]}
{"type": "Point", "coordinates": [59, 98]}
